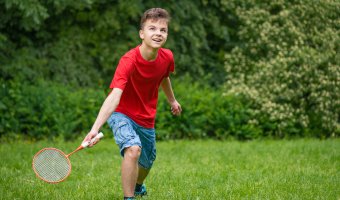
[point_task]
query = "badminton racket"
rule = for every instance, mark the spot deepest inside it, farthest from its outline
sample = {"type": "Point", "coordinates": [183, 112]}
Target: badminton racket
{"type": "Point", "coordinates": [53, 166]}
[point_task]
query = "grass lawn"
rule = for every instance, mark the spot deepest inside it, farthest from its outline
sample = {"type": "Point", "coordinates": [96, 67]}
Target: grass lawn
{"type": "Point", "coordinates": [297, 169]}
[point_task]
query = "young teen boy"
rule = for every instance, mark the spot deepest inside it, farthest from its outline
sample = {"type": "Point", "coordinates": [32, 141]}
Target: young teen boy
{"type": "Point", "coordinates": [130, 108]}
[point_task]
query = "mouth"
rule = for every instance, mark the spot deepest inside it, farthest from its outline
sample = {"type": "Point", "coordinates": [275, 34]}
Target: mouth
{"type": "Point", "coordinates": [158, 40]}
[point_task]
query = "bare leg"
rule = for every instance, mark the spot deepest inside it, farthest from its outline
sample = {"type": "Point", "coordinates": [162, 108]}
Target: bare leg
{"type": "Point", "coordinates": [142, 173]}
{"type": "Point", "coordinates": [130, 170]}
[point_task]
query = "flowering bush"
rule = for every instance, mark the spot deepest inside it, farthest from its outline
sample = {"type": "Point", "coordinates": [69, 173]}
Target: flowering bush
{"type": "Point", "coordinates": [287, 66]}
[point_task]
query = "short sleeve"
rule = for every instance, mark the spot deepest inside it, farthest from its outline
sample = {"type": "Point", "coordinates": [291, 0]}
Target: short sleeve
{"type": "Point", "coordinates": [123, 72]}
{"type": "Point", "coordinates": [171, 68]}
{"type": "Point", "coordinates": [172, 64]}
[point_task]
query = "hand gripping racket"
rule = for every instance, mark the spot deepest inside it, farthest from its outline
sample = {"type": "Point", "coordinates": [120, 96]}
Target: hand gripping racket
{"type": "Point", "coordinates": [54, 166]}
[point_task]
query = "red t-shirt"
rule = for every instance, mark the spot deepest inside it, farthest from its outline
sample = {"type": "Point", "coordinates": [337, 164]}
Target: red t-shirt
{"type": "Point", "coordinates": [140, 79]}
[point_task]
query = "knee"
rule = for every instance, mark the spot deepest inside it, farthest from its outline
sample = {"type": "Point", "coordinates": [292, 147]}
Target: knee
{"type": "Point", "coordinates": [133, 152]}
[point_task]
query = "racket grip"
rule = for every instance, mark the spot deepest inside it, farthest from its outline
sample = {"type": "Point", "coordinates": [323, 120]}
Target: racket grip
{"type": "Point", "coordinates": [98, 136]}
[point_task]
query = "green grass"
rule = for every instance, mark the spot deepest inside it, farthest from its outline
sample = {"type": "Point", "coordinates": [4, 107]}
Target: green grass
{"type": "Point", "coordinates": [297, 169]}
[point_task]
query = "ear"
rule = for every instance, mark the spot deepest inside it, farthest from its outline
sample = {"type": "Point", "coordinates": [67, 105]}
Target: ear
{"type": "Point", "coordinates": [141, 34]}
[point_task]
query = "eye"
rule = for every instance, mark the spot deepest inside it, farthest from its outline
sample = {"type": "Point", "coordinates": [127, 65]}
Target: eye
{"type": "Point", "coordinates": [163, 30]}
{"type": "Point", "coordinates": [152, 28]}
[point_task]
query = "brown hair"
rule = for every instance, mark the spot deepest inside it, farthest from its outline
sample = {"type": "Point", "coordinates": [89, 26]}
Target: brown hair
{"type": "Point", "coordinates": [154, 14]}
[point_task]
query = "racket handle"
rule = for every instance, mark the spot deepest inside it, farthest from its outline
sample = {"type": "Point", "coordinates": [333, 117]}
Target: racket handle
{"type": "Point", "coordinates": [98, 136]}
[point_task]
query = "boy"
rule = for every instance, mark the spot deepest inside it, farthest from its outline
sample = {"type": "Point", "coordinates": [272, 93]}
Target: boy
{"type": "Point", "coordinates": [130, 108]}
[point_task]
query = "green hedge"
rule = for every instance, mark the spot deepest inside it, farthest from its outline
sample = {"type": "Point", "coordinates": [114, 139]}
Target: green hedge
{"type": "Point", "coordinates": [47, 110]}
{"type": "Point", "coordinates": [206, 114]}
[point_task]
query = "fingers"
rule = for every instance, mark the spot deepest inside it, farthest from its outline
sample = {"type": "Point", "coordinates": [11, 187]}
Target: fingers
{"type": "Point", "coordinates": [176, 110]}
{"type": "Point", "coordinates": [91, 138]}
{"type": "Point", "coordinates": [180, 109]}
{"type": "Point", "coordinates": [93, 142]}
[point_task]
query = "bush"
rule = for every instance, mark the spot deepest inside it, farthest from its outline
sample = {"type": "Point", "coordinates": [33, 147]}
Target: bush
{"type": "Point", "coordinates": [47, 110]}
{"type": "Point", "coordinates": [287, 66]}
{"type": "Point", "coordinates": [206, 113]}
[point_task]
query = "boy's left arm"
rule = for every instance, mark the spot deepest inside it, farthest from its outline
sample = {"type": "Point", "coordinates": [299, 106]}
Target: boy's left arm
{"type": "Point", "coordinates": [167, 88]}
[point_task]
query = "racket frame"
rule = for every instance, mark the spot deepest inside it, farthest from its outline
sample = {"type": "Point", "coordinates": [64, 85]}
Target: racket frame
{"type": "Point", "coordinates": [62, 153]}
{"type": "Point", "coordinates": [82, 146]}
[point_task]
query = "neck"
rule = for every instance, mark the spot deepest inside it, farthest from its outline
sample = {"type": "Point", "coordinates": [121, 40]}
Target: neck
{"type": "Point", "coordinates": [148, 53]}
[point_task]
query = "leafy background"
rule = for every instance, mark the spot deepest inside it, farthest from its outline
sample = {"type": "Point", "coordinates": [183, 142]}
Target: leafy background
{"type": "Point", "coordinates": [245, 69]}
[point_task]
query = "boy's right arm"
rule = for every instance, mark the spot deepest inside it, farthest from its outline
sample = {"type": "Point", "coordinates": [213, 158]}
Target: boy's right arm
{"type": "Point", "coordinates": [109, 106]}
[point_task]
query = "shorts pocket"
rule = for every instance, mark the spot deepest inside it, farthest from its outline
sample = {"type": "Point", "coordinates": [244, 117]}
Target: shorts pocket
{"type": "Point", "coordinates": [122, 132]}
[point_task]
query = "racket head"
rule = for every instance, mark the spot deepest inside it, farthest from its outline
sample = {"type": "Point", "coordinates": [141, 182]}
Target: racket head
{"type": "Point", "coordinates": [51, 165]}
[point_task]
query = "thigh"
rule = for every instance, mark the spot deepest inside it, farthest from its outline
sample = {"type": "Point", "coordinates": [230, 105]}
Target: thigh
{"type": "Point", "coordinates": [123, 132]}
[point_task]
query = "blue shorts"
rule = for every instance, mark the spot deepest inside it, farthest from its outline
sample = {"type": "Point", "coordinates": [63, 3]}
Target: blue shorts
{"type": "Point", "coordinates": [127, 133]}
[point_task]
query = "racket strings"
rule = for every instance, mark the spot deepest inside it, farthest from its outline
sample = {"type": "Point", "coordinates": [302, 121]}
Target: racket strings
{"type": "Point", "coordinates": [51, 165]}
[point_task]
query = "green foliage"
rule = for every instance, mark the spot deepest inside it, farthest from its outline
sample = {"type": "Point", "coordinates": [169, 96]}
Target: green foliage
{"type": "Point", "coordinates": [287, 66]}
{"type": "Point", "coordinates": [76, 42]}
{"type": "Point", "coordinates": [279, 62]}
{"type": "Point", "coordinates": [206, 113]}
{"type": "Point", "coordinates": [47, 110]}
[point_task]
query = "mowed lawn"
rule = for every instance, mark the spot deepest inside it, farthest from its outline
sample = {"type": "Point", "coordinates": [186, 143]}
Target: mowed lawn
{"type": "Point", "coordinates": [295, 169]}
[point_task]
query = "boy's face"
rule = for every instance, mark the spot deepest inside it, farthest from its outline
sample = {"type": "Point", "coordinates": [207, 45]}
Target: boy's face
{"type": "Point", "coordinates": [154, 33]}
